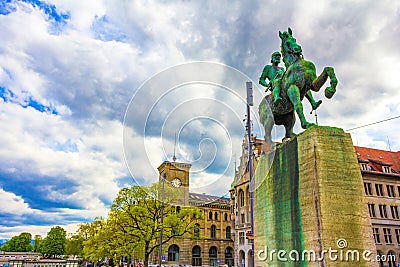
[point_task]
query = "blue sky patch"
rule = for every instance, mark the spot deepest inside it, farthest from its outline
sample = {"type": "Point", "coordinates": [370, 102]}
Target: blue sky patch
{"type": "Point", "coordinates": [58, 19]}
{"type": "Point", "coordinates": [49, 10]}
{"type": "Point", "coordinates": [104, 30]}
{"type": "Point", "coordinates": [9, 96]}
{"type": "Point", "coordinates": [6, 8]}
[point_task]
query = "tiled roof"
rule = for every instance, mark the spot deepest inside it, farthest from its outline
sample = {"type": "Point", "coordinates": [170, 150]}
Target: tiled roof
{"type": "Point", "coordinates": [207, 199]}
{"type": "Point", "coordinates": [376, 158]}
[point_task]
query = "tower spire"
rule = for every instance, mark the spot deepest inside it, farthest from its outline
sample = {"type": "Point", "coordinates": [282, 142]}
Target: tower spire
{"type": "Point", "coordinates": [174, 157]}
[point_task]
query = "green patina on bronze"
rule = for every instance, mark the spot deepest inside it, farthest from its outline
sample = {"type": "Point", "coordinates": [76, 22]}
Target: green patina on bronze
{"type": "Point", "coordinates": [309, 196]}
{"type": "Point", "coordinates": [292, 86]}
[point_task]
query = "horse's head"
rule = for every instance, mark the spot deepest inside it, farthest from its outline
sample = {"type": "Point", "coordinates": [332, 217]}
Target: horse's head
{"type": "Point", "coordinates": [289, 44]}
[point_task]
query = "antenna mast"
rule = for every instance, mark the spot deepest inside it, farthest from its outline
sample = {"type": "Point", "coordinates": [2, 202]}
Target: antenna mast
{"type": "Point", "coordinates": [174, 157]}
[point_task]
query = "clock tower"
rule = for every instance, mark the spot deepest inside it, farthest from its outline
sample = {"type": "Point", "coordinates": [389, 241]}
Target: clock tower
{"type": "Point", "coordinates": [176, 175]}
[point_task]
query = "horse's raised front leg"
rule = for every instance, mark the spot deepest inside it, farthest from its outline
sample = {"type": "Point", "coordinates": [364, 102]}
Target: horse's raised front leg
{"type": "Point", "coordinates": [294, 96]}
{"type": "Point", "coordinates": [321, 79]}
{"type": "Point", "coordinates": [314, 104]}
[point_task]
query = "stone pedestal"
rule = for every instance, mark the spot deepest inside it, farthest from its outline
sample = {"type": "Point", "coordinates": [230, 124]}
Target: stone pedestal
{"type": "Point", "coordinates": [310, 208]}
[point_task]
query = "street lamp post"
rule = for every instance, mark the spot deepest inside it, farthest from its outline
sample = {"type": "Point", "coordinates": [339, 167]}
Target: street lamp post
{"type": "Point", "coordinates": [249, 90]}
{"type": "Point", "coordinates": [162, 218]}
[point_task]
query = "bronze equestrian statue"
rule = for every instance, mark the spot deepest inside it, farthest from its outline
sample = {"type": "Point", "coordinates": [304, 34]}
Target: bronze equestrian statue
{"type": "Point", "coordinates": [294, 84]}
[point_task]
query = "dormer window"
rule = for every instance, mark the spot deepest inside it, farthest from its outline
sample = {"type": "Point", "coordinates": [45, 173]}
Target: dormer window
{"type": "Point", "coordinates": [371, 168]}
{"type": "Point", "coordinates": [386, 169]}
{"type": "Point", "coordinates": [364, 166]}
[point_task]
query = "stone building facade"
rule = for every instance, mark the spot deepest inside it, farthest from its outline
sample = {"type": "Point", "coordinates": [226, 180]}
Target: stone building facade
{"type": "Point", "coordinates": [213, 242]}
{"type": "Point", "coordinates": [240, 202]}
{"type": "Point", "coordinates": [380, 170]}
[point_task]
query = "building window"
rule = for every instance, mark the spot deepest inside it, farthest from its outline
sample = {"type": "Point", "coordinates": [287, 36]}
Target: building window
{"type": "Point", "coordinates": [371, 208]}
{"type": "Point", "coordinates": [196, 256]}
{"type": "Point", "coordinates": [213, 232]}
{"type": "Point", "coordinates": [210, 215]}
{"type": "Point", "coordinates": [368, 189]}
{"type": "Point", "coordinates": [397, 232]}
{"type": "Point", "coordinates": [379, 189]}
{"type": "Point", "coordinates": [364, 166]}
{"type": "Point", "coordinates": [390, 190]}
{"type": "Point", "coordinates": [242, 218]}
{"type": "Point", "coordinates": [229, 256]}
{"type": "Point", "coordinates": [380, 258]}
{"type": "Point", "coordinates": [228, 232]}
{"type": "Point", "coordinates": [225, 216]}
{"type": "Point", "coordinates": [173, 253]}
{"type": "Point", "coordinates": [377, 237]}
{"type": "Point", "coordinates": [382, 211]}
{"type": "Point", "coordinates": [213, 254]}
{"type": "Point", "coordinates": [241, 198]}
{"type": "Point", "coordinates": [391, 259]}
{"type": "Point", "coordinates": [387, 235]}
{"type": "Point", "coordinates": [216, 215]}
{"type": "Point", "coordinates": [395, 212]}
{"type": "Point", "coordinates": [386, 169]}
{"type": "Point", "coordinates": [196, 230]}
{"type": "Point", "coordinates": [371, 168]}
{"type": "Point", "coordinates": [241, 238]}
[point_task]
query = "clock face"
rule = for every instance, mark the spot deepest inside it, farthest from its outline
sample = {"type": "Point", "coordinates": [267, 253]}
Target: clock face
{"type": "Point", "coordinates": [176, 182]}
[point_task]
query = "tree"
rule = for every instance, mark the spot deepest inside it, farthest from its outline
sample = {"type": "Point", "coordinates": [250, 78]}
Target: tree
{"type": "Point", "coordinates": [36, 243]}
{"type": "Point", "coordinates": [135, 217]}
{"type": "Point", "coordinates": [95, 243]}
{"type": "Point", "coordinates": [74, 245]}
{"type": "Point", "coordinates": [54, 243]}
{"type": "Point", "coordinates": [20, 243]}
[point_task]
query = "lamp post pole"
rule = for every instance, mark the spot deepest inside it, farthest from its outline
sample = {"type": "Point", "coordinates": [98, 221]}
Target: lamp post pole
{"type": "Point", "coordinates": [162, 218]}
{"type": "Point", "coordinates": [249, 89]}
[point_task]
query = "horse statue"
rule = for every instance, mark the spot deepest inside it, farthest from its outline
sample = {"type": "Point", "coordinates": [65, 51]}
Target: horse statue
{"type": "Point", "coordinates": [295, 83]}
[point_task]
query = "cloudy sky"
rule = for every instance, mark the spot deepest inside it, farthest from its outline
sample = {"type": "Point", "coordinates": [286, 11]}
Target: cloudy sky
{"type": "Point", "coordinates": [93, 92]}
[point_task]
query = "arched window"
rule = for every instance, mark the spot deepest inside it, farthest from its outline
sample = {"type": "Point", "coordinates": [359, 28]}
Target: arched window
{"type": "Point", "coordinates": [226, 216]}
{"type": "Point", "coordinates": [196, 230]}
{"type": "Point", "coordinates": [229, 256]}
{"type": "Point", "coordinates": [248, 194]}
{"type": "Point", "coordinates": [210, 215]}
{"type": "Point", "coordinates": [213, 254]}
{"type": "Point", "coordinates": [228, 232]}
{"type": "Point", "coordinates": [249, 259]}
{"type": "Point", "coordinates": [241, 198]}
{"type": "Point", "coordinates": [216, 216]}
{"type": "Point", "coordinates": [173, 253]}
{"type": "Point", "coordinates": [196, 256]}
{"type": "Point", "coordinates": [213, 230]}
{"type": "Point", "coordinates": [380, 258]}
{"type": "Point", "coordinates": [241, 258]}
{"type": "Point", "coordinates": [391, 259]}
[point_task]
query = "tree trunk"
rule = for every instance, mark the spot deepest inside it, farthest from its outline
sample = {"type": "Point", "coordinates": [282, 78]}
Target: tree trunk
{"type": "Point", "coordinates": [146, 255]}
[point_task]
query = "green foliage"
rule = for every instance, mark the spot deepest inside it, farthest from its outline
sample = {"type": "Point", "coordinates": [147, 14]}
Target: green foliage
{"type": "Point", "coordinates": [54, 243]}
{"type": "Point", "coordinates": [36, 243]}
{"type": "Point", "coordinates": [134, 223]}
{"type": "Point", "coordinates": [20, 243]}
{"type": "Point", "coordinates": [74, 245]}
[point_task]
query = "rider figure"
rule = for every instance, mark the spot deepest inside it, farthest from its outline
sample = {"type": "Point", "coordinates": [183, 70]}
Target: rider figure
{"type": "Point", "coordinates": [273, 73]}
